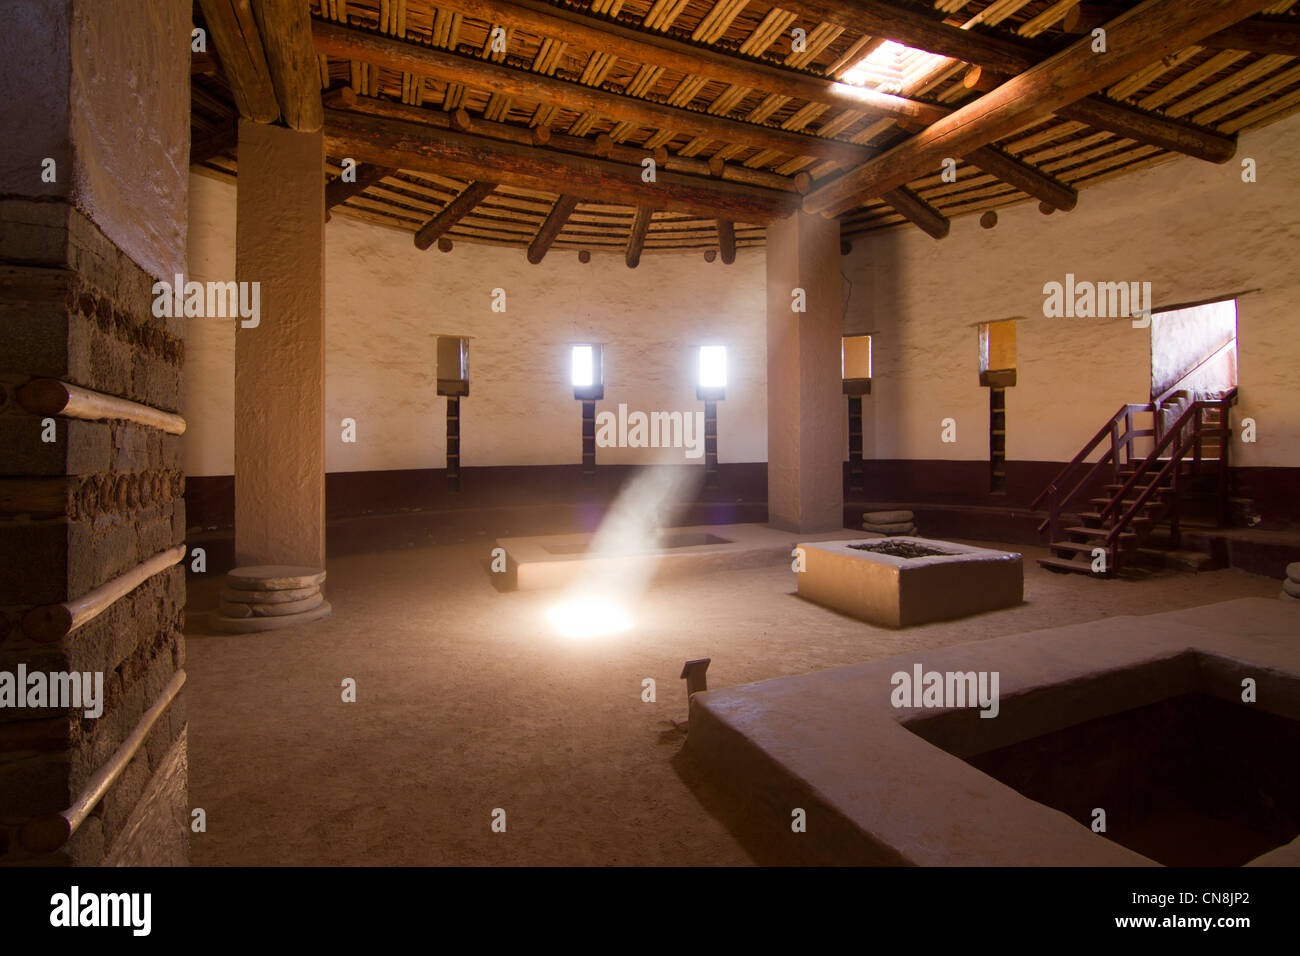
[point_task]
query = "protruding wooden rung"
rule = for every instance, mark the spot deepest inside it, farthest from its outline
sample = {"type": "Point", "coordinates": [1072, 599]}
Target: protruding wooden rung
{"type": "Point", "coordinates": [54, 621]}
{"type": "Point", "coordinates": [47, 834]}
{"type": "Point", "coordinates": [49, 396]}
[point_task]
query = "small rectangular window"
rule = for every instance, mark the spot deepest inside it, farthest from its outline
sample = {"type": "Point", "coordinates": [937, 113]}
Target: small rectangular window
{"type": "Point", "coordinates": [713, 366]}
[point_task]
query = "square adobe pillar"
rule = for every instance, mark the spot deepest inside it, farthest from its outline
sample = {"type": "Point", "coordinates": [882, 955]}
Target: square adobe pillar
{"type": "Point", "coordinates": [805, 407]}
{"type": "Point", "coordinates": [280, 362]}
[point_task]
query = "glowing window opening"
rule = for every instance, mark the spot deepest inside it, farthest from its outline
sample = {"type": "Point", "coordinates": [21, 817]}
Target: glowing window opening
{"type": "Point", "coordinates": [583, 366]}
{"type": "Point", "coordinates": [713, 366]}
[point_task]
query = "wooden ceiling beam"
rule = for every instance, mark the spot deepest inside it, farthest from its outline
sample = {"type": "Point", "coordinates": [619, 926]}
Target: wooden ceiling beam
{"type": "Point", "coordinates": [932, 222]}
{"type": "Point", "coordinates": [656, 49]}
{"type": "Point", "coordinates": [727, 241]}
{"type": "Point", "coordinates": [238, 46]}
{"type": "Point", "coordinates": [1002, 57]}
{"type": "Point", "coordinates": [1148, 32]}
{"type": "Point", "coordinates": [214, 142]}
{"type": "Point", "coordinates": [1026, 178]}
{"type": "Point", "coordinates": [340, 191]}
{"type": "Point", "coordinates": [636, 238]}
{"type": "Point", "coordinates": [406, 57]}
{"type": "Point", "coordinates": [550, 228]}
{"type": "Point", "coordinates": [285, 28]}
{"type": "Point", "coordinates": [918, 28]}
{"type": "Point", "coordinates": [1256, 35]}
{"type": "Point", "coordinates": [1152, 129]}
{"type": "Point", "coordinates": [464, 156]}
{"type": "Point", "coordinates": [452, 213]}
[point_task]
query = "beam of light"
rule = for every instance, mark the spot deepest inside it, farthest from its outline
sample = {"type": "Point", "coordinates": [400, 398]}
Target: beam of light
{"type": "Point", "coordinates": [589, 617]}
{"type": "Point", "coordinates": [624, 553]}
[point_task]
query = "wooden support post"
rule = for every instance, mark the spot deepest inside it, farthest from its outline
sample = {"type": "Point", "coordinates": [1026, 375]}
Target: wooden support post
{"type": "Point", "coordinates": [711, 444]}
{"type": "Point", "coordinates": [589, 442]}
{"type": "Point", "coordinates": [856, 470]}
{"type": "Point", "coordinates": [238, 42]}
{"type": "Point", "coordinates": [453, 442]}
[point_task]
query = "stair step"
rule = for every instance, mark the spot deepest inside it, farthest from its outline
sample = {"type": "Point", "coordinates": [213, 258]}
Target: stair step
{"type": "Point", "coordinates": [1152, 502]}
{"type": "Point", "coordinates": [1061, 564]}
{"type": "Point", "coordinates": [1077, 548]}
{"type": "Point", "coordinates": [1096, 516]}
{"type": "Point", "coordinates": [1124, 538]}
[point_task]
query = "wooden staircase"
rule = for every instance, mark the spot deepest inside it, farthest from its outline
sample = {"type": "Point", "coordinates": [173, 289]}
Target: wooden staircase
{"type": "Point", "coordinates": [1185, 472]}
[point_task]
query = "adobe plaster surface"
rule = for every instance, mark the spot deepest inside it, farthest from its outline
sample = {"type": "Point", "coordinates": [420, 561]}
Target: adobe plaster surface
{"type": "Point", "coordinates": [833, 743]}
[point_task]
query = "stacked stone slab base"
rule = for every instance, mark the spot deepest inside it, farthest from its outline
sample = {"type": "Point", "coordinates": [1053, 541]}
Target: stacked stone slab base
{"type": "Point", "coordinates": [269, 597]}
{"type": "Point", "coordinates": [885, 524]}
{"type": "Point", "coordinates": [1291, 586]}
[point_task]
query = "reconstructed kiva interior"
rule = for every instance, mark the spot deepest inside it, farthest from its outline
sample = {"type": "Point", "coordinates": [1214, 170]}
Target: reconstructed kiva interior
{"type": "Point", "coordinates": [785, 349]}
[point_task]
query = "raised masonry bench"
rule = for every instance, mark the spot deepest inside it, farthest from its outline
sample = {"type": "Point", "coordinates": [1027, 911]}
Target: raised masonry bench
{"type": "Point", "coordinates": [901, 581]}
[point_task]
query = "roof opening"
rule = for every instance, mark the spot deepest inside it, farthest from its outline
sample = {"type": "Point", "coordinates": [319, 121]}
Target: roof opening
{"type": "Point", "coordinates": [891, 67]}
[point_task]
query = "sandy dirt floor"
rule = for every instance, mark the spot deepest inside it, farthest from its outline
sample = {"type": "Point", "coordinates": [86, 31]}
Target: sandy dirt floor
{"type": "Point", "coordinates": [467, 702]}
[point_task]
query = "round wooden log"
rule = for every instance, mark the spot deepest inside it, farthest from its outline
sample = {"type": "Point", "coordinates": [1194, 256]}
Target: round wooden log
{"type": "Point", "coordinates": [972, 78]}
{"type": "Point", "coordinates": [121, 492]}
{"type": "Point", "coordinates": [145, 490]}
{"type": "Point", "coordinates": [710, 255]}
{"type": "Point", "coordinates": [133, 492]}
{"type": "Point", "coordinates": [802, 182]}
{"type": "Point", "coordinates": [45, 497]}
{"type": "Point", "coordinates": [341, 98]}
{"type": "Point", "coordinates": [460, 120]}
{"type": "Point", "coordinates": [88, 498]}
{"type": "Point", "coordinates": [1046, 208]}
{"type": "Point", "coordinates": [604, 145]}
{"type": "Point", "coordinates": [445, 244]}
{"type": "Point", "coordinates": [45, 834]}
{"type": "Point", "coordinates": [584, 256]}
{"type": "Point", "coordinates": [49, 833]}
{"type": "Point", "coordinates": [52, 622]}
{"type": "Point", "coordinates": [989, 219]}
{"type": "Point", "coordinates": [48, 396]}
{"type": "Point", "coordinates": [541, 135]}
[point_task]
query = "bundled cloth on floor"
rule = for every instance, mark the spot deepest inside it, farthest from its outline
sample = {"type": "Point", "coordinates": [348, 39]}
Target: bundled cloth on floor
{"type": "Point", "coordinates": [883, 524]}
{"type": "Point", "coordinates": [1291, 585]}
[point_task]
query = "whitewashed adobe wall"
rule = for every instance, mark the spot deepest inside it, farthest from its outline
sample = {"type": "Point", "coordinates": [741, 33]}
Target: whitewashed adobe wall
{"type": "Point", "coordinates": [1192, 229]}
{"type": "Point", "coordinates": [386, 302]}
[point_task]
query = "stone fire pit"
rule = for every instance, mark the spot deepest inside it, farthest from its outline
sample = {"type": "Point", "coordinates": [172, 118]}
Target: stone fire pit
{"type": "Point", "coordinates": [901, 581]}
